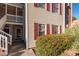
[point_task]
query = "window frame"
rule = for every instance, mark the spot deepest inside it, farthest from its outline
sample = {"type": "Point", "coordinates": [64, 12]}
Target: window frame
{"type": "Point", "coordinates": [41, 29]}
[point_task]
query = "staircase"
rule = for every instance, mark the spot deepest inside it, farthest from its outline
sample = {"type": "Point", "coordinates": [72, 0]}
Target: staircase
{"type": "Point", "coordinates": [5, 38]}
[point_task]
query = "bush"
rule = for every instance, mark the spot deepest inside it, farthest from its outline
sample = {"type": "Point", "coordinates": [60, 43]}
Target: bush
{"type": "Point", "coordinates": [75, 32]}
{"type": "Point", "coordinates": [52, 45]}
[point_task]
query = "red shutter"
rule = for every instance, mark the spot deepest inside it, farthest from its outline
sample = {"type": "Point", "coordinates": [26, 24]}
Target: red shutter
{"type": "Point", "coordinates": [48, 29]}
{"type": "Point", "coordinates": [52, 7]}
{"type": "Point", "coordinates": [60, 8]}
{"type": "Point", "coordinates": [48, 6]}
{"type": "Point", "coordinates": [36, 30]}
{"type": "Point", "coordinates": [60, 29]}
{"type": "Point", "coordinates": [35, 4]}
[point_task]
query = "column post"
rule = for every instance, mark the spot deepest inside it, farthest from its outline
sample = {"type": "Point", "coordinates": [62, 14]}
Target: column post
{"type": "Point", "coordinates": [26, 27]}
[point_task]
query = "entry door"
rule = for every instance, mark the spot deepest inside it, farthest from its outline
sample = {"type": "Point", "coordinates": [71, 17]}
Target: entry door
{"type": "Point", "coordinates": [19, 33]}
{"type": "Point", "coordinates": [6, 28]}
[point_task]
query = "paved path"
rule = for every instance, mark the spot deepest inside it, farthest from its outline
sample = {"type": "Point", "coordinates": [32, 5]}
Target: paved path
{"type": "Point", "coordinates": [23, 53]}
{"type": "Point", "coordinates": [18, 49]}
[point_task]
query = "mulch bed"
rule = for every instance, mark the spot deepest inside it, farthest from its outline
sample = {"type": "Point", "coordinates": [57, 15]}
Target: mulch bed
{"type": "Point", "coordinates": [69, 52]}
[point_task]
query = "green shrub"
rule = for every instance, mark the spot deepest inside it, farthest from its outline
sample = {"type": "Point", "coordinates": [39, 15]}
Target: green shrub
{"type": "Point", "coordinates": [75, 32]}
{"type": "Point", "coordinates": [52, 45]}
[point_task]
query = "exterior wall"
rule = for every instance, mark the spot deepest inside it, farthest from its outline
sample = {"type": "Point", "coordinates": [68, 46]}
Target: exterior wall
{"type": "Point", "coordinates": [41, 16]}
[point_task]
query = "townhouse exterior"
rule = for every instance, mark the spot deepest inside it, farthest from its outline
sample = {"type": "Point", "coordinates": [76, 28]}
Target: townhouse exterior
{"type": "Point", "coordinates": [26, 22]}
{"type": "Point", "coordinates": [44, 19]}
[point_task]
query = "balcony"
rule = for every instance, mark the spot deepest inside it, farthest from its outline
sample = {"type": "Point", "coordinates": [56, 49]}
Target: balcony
{"type": "Point", "coordinates": [14, 18]}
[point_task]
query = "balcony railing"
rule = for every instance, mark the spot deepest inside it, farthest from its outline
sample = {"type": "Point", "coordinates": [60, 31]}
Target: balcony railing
{"type": "Point", "coordinates": [14, 18]}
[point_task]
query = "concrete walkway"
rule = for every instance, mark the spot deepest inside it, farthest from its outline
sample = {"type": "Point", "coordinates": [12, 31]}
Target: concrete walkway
{"type": "Point", "coordinates": [23, 53]}
{"type": "Point", "coordinates": [18, 49]}
{"type": "Point", "coordinates": [28, 53]}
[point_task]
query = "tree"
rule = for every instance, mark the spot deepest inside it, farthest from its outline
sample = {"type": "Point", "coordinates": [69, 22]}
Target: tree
{"type": "Point", "coordinates": [73, 18]}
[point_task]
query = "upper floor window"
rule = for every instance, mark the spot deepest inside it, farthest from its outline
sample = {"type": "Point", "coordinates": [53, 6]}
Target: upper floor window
{"type": "Point", "coordinates": [11, 10]}
{"type": "Point", "coordinates": [55, 7]}
{"type": "Point", "coordinates": [19, 11]}
{"type": "Point", "coordinates": [54, 29]}
{"type": "Point", "coordinates": [41, 5]}
{"type": "Point", "coordinates": [2, 9]}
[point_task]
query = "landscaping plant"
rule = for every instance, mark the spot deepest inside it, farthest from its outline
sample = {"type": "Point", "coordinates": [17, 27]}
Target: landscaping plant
{"type": "Point", "coordinates": [74, 31]}
{"type": "Point", "coordinates": [53, 45]}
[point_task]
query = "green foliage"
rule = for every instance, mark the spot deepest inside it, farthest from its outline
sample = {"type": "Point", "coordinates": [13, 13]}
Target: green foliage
{"type": "Point", "coordinates": [74, 31]}
{"type": "Point", "coordinates": [73, 18]}
{"type": "Point", "coordinates": [52, 45]}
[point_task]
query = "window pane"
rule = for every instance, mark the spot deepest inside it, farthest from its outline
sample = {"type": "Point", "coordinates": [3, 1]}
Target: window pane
{"type": "Point", "coordinates": [55, 7]}
{"type": "Point", "coordinates": [19, 11]}
{"type": "Point", "coordinates": [2, 9]}
{"type": "Point", "coordinates": [42, 5]}
{"type": "Point", "coordinates": [41, 29]}
{"type": "Point", "coordinates": [56, 29]}
{"type": "Point", "coordinates": [11, 10]}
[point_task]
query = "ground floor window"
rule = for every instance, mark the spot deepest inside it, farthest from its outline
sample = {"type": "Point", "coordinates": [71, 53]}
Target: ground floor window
{"type": "Point", "coordinates": [41, 29]}
{"type": "Point", "coordinates": [54, 29]}
{"type": "Point", "coordinates": [45, 29]}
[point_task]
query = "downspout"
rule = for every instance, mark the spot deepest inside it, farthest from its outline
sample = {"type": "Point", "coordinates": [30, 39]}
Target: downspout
{"type": "Point", "coordinates": [26, 26]}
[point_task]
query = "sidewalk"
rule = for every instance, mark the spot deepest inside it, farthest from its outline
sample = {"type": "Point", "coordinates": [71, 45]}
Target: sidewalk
{"type": "Point", "coordinates": [24, 53]}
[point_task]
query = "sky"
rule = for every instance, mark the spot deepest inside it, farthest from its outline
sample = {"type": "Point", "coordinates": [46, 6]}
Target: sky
{"type": "Point", "coordinates": [75, 10]}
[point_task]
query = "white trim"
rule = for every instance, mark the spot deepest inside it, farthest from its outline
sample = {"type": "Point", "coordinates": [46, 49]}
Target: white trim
{"type": "Point", "coordinates": [50, 7]}
{"type": "Point", "coordinates": [14, 5]}
{"type": "Point", "coordinates": [14, 23]}
{"type": "Point", "coordinates": [63, 13]}
{"type": "Point", "coordinates": [58, 8]}
{"type": "Point", "coordinates": [26, 27]}
{"type": "Point", "coordinates": [50, 28]}
{"type": "Point", "coordinates": [46, 6]}
{"type": "Point", "coordinates": [58, 29]}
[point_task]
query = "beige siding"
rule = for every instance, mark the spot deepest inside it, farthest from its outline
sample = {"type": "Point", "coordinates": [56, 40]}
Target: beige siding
{"type": "Point", "coordinates": [41, 16]}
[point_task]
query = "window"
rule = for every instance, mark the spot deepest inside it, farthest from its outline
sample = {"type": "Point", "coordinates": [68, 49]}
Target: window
{"type": "Point", "coordinates": [19, 11]}
{"type": "Point", "coordinates": [54, 29]}
{"type": "Point", "coordinates": [41, 29]}
{"type": "Point", "coordinates": [55, 7]}
{"type": "Point", "coordinates": [41, 5]}
{"type": "Point", "coordinates": [11, 10]}
{"type": "Point", "coordinates": [2, 9]}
